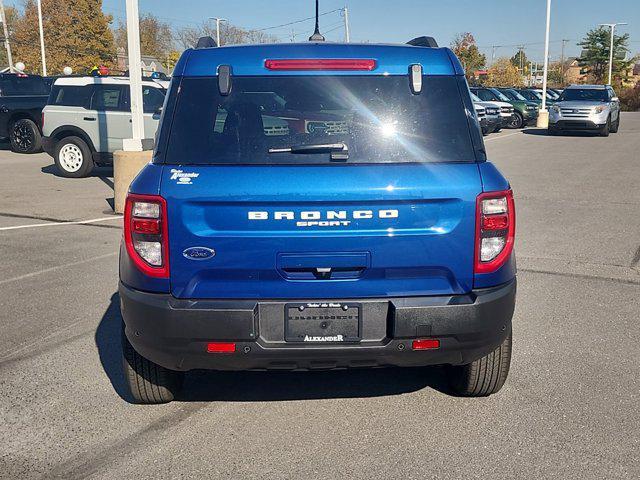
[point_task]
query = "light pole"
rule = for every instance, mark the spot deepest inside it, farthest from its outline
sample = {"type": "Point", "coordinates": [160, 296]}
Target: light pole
{"type": "Point", "coordinates": [218, 20]}
{"type": "Point", "coordinates": [134, 144]}
{"type": "Point", "coordinates": [3, 19]}
{"type": "Point", "coordinates": [543, 114]}
{"type": "Point", "coordinates": [44, 61]}
{"type": "Point", "coordinates": [613, 27]}
{"type": "Point", "coordinates": [345, 15]}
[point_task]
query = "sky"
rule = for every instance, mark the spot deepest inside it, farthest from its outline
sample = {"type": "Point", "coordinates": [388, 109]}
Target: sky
{"type": "Point", "coordinates": [492, 22]}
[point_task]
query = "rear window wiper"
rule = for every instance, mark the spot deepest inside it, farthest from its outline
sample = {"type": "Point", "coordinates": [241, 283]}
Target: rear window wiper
{"type": "Point", "coordinates": [338, 151]}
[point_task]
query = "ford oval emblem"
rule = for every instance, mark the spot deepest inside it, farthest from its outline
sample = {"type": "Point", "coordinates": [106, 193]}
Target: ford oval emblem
{"type": "Point", "coordinates": [198, 253]}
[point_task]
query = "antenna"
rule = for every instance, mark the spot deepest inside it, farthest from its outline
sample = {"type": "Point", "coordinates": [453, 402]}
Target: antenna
{"type": "Point", "coordinates": [317, 36]}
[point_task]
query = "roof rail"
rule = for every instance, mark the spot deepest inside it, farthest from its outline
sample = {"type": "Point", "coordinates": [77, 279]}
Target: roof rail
{"type": "Point", "coordinates": [206, 42]}
{"type": "Point", "coordinates": [423, 42]}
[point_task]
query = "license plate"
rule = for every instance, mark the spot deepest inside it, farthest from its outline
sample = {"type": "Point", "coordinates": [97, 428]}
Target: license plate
{"type": "Point", "coordinates": [322, 322]}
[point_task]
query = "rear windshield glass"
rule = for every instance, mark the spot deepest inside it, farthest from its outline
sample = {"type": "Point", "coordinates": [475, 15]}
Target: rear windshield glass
{"type": "Point", "coordinates": [376, 118]}
{"type": "Point", "coordinates": [591, 94]}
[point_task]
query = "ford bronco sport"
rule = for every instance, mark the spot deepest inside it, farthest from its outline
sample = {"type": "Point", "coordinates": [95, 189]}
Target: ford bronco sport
{"type": "Point", "coordinates": [368, 229]}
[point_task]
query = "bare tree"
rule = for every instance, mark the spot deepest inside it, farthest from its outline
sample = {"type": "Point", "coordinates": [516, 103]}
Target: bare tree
{"type": "Point", "coordinates": [230, 34]}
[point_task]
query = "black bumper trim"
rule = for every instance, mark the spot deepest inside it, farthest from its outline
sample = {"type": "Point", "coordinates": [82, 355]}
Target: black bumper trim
{"type": "Point", "coordinates": [582, 124]}
{"type": "Point", "coordinates": [174, 332]}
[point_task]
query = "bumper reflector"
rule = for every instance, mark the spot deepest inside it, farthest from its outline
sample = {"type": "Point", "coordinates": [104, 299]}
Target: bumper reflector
{"type": "Point", "coordinates": [425, 344]}
{"type": "Point", "coordinates": [221, 347]}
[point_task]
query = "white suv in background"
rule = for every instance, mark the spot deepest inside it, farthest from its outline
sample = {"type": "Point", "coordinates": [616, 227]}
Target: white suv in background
{"type": "Point", "coordinates": [87, 118]}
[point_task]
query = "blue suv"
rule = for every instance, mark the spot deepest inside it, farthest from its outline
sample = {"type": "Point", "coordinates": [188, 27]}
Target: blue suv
{"type": "Point", "coordinates": [318, 206]}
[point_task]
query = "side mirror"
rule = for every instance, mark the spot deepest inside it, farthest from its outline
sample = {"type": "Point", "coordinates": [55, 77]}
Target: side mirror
{"type": "Point", "coordinates": [615, 99]}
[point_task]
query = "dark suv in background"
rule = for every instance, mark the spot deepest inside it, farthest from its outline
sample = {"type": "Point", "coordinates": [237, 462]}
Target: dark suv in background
{"type": "Point", "coordinates": [22, 98]}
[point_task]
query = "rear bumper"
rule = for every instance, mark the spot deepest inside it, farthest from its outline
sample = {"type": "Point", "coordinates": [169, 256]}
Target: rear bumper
{"type": "Point", "coordinates": [174, 333]}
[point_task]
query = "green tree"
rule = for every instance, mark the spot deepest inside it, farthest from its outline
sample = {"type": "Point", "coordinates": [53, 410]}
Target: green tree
{"type": "Point", "coordinates": [555, 78]}
{"type": "Point", "coordinates": [12, 15]}
{"type": "Point", "coordinates": [76, 34]}
{"type": "Point", "coordinates": [503, 73]}
{"type": "Point", "coordinates": [521, 62]}
{"type": "Point", "coordinates": [156, 38]}
{"type": "Point", "coordinates": [465, 48]}
{"type": "Point", "coordinates": [594, 60]}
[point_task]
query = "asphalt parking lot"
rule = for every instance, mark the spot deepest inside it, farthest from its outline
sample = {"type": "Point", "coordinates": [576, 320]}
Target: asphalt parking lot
{"type": "Point", "coordinates": [570, 407]}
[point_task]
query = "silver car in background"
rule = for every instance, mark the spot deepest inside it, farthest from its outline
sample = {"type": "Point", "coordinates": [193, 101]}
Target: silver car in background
{"type": "Point", "coordinates": [87, 118]}
{"type": "Point", "coordinates": [493, 119]}
{"type": "Point", "coordinates": [586, 107]}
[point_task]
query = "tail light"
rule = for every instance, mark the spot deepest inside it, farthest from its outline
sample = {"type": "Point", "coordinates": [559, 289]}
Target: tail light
{"type": "Point", "coordinates": [321, 64]}
{"type": "Point", "coordinates": [145, 234]}
{"type": "Point", "coordinates": [495, 230]}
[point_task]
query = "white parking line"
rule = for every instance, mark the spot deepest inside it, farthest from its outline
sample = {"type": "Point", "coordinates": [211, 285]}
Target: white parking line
{"type": "Point", "coordinates": [58, 267]}
{"type": "Point", "coordinates": [502, 136]}
{"type": "Point", "coordinates": [53, 224]}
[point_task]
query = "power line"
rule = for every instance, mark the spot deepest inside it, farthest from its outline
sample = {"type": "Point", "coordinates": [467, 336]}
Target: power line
{"type": "Point", "coordinates": [296, 21]}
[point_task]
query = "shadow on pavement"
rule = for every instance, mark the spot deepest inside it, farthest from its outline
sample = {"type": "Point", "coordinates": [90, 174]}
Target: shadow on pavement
{"type": "Point", "coordinates": [543, 132]}
{"type": "Point", "coordinates": [107, 339]}
{"type": "Point", "coordinates": [104, 173]}
{"type": "Point", "coordinates": [268, 386]}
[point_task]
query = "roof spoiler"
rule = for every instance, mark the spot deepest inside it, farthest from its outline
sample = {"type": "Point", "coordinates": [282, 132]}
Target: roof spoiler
{"type": "Point", "coordinates": [206, 42]}
{"type": "Point", "coordinates": [423, 42]}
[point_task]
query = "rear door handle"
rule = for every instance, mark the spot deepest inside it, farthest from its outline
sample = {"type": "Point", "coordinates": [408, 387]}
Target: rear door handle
{"type": "Point", "coordinates": [90, 119]}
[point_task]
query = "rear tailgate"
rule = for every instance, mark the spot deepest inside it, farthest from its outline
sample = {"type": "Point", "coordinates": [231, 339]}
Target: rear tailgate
{"type": "Point", "coordinates": [333, 231]}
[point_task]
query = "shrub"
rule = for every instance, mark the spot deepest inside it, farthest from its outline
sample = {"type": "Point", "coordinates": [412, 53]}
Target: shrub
{"type": "Point", "coordinates": [630, 98]}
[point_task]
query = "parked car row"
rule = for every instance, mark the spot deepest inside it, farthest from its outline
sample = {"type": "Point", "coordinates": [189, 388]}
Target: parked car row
{"type": "Point", "coordinates": [523, 113]}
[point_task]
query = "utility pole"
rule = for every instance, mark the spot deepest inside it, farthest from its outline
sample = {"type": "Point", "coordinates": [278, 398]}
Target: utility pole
{"type": "Point", "coordinates": [520, 55]}
{"type": "Point", "coordinates": [493, 52]}
{"type": "Point", "coordinates": [345, 14]}
{"type": "Point", "coordinates": [218, 20]}
{"type": "Point", "coordinates": [44, 61]}
{"type": "Point", "coordinates": [562, 69]}
{"type": "Point", "coordinates": [613, 27]}
{"type": "Point", "coordinates": [3, 19]}
{"type": "Point", "coordinates": [293, 35]}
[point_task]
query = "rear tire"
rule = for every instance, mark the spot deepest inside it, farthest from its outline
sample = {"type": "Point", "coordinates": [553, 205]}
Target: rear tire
{"type": "Point", "coordinates": [484, 376]}
{"type": "Point", "coordinates": [25, 136]}
{"type": "Point", "coordinates": [148, 382]}
{"type": "Point", "coordinates": [516, 120]}
{"type": "Point", "coordinates": [73, 158]}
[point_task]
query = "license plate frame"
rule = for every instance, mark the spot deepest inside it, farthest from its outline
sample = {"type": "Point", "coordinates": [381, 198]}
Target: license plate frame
{"type": "Point", "coordinates": [323, 322]}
